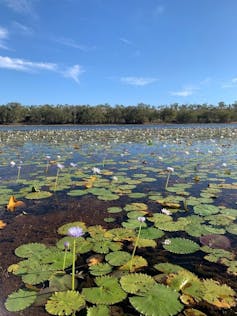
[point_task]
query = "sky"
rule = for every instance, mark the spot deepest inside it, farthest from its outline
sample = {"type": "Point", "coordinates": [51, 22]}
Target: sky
{"type": "Point", "coordinates": [156, 52]}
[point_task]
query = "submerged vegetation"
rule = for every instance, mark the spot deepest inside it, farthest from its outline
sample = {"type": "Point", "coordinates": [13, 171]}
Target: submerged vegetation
{"type": "Point", "coordinates": [13, 113]}
{"type": "Point", "coordinates": [168, 243]}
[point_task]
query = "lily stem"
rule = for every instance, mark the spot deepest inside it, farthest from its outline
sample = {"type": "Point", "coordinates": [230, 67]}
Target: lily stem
{"type": "Point", "coordinates": [135, 247]}
{"type": "Point", "coordinates": [167, 180]}
{"type": "Point", "coordinates": [73, 264]}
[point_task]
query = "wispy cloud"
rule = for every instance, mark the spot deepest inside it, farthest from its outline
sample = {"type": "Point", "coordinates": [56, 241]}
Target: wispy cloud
{"type": "Point", "coordinates": [72, 43]}
{"type": "Point", "coordinates": [230, 84]}
{"type": "Point", "coordinates": [3, 37]}
{"type": "Point", "coordinates": [23, 29]}
{"type": "Point", "coordinates": [74, 72]}
{"type": "Point", "coordinates": [138, 81]}
{"type": "Point", "coordinates": [18, 64]}
{"type": "Point", "coordinates": [24, 65]}
{"type": "Point", "coordinates": [125, 41]}
{"type": "Point", "coordinates": [186, 91]}
{"type": "Point", "coordinates": [182, 93]}
{"type": "Point", "coordinates": [19, 6]}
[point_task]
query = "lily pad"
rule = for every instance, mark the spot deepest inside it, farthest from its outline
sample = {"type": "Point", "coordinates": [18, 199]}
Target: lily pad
{"type": "Point", "coordinates": [118, 258]}
{"type": "Point", "coordinates": [65, 303]}
{"type": "Point", "coordinates": [100, 310]}
{"type": "Point", "coordinates": [181, 246]}
{"type": "Point", "coordinates": [20, 300]}
{"type": "Point", "coordinates": [154, 302]}
{"type": "Point", "coordinates": [108, 292]}
{"type": "Point", "coordinates": [137, 283]}
{"type": "Point", "coordinates": [38, 195]}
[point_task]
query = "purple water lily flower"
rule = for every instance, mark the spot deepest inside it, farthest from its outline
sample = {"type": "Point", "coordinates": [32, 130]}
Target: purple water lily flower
{"type": "Point", "coordinates": [75, 231]}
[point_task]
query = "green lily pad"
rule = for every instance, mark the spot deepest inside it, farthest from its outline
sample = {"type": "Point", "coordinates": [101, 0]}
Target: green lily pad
{"type": "Point", "coordinates": [114, 209]}
{"type": "Point", "coordinates": [100, 269]}
{"type": "Point", "coordinates": [154, 302]}
{"type": "Point", "coordinates": [206, 209]}
{"type": "Point", "coordinates": [38, 195]}
{"type": "Point", "coordinates": [108, 291]}
{"type": "Point", "coordinates": [20, 300]}
{"type": "Point", "coordinates": [65, 303]}
{"type": "Point", "coordinates": [117, 258]}
{"type": "Point", "coordinates": [137, 283]}
{"type": "Point", "coordinates": [100, 310]}
{"type": "Point", "coordinates": [151, 233]}
{"type": "Point", "coordinates": [31, 249]}
{"type": "Point", "coordinates": [181, 246]}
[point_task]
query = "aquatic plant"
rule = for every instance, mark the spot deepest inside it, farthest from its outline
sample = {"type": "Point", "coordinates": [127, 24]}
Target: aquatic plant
{"type": "Point", "coordinates": [74, 232]}
{"type": "Point", "coordinates": [141, 220]}
{"type": "Point", "coordinates": [13, 204]}
{"type": "Point", "coordinates": [169, 170]}
{"type": "Point", "coordinates": [115, 279]}
{"type": "Point", "coordinates": [59, 167]}
{"type": "Point", "coordinates": [66, 248]}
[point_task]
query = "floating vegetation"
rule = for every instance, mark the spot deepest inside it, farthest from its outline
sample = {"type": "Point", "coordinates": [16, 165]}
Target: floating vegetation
{"type": "Point", "coordinates": [158, 216]}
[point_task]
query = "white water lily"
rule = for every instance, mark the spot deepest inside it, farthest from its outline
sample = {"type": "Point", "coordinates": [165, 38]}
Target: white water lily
{"type": "Point", "coordinates": [165, 211]}
{"type": "Point", "coordinates": [170, 169]}
{"type": "Point", "coordinates": [60, 166]}
{"type": "Point", "coordinates": [72, 164]}
{"type": "Point", "coordinates": [141, 219]}
{"type": "Point", "coordinates": [12, 163]}
{"type": "Point", "coordinates": [96, 170]}
{"type": "Point", "coordinates": [167, 242]}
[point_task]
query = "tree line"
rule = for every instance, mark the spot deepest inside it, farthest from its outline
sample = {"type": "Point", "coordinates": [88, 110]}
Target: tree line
{"type": "Point", "coordinates": [15, 113]}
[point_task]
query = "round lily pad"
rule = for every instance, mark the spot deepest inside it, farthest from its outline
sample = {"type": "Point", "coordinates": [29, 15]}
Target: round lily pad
{"type": "Point", "coordinates": [181, 245]}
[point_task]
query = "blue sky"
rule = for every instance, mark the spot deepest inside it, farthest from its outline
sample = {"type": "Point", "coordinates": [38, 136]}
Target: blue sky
{"type": "Point", "coordinates": [118, 51]}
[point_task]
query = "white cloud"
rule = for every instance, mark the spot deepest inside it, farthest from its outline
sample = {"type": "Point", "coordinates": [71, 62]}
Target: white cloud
{"type": "Point", "coordinates": [24, 65]}
{"type": "Point", "coordinates": [186, 91]}
{"type": "Point", "coordinates": [3, 36]}
{"type": "Point", "coordinates": [18, 64]}
{"type": "Point", "coordinates": [230, 84]}
{"type": "Point", "coordinates": [74, 72]}
{"type": "Point", "coordinates": [138, 81]}
{"type": "Point", "coordinates": [182, 93]}
{"type": "Point", "coordinates": [20, 6]}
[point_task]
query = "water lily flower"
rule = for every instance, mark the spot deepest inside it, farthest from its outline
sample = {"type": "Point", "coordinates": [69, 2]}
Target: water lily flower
{"type": "Point", "coordinates": [12, 163]}
{"type": "Point", "coordinates": [60, 166]}
{"type": "Point", "coordinates": [114, 178]}
{"type": "Point", "coordinates": [170, 169]}
{"type": "Point", "coordinates": [66, 245]}
{"type": "Point", "coordinates": [165, 211]}
{"type": "Point", "coordinates": [72, 164]}
{"type": "Point", "coordinates": [160, 158]}
{"type": "Point", "coordinates": [224, 164]}
{"type": "Point", "coordinates": [141, 219]}
{"type": "Point", "coordinates": [96, 170]}
{"type": "Point", "coordinates": [167, 242]}
{"type": "Point", "coordinates": [75, 231]}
